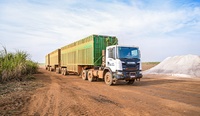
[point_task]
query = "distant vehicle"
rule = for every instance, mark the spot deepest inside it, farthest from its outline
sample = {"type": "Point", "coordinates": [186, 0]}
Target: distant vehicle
{"type": "Point", "coordinates": [97, 56]}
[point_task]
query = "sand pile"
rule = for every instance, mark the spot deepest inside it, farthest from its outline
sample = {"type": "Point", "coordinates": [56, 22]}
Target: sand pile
{"type": "Point", "coordinates": [182, 66]}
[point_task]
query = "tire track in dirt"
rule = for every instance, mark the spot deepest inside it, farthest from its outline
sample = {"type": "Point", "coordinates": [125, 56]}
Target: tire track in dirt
{"type": "Point", "coordinates": [72, 103]}
{"type": "Point", "coordinates": [57, 98]}
{"type": "Point", "coordinates": [85, 102]}
{"type": "Point", "coordinates": [172, 91]}
{"type": "Point", "coordinates": [152, 102]}
{"type": "Point", "coordinates": [46, 100]}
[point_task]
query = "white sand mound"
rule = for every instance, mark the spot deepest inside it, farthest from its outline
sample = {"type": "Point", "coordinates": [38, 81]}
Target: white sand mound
{"type": "Point", "coordinates": [182, 66]}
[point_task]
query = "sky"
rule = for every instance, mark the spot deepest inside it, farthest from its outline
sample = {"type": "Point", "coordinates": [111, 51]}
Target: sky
{"type": "Point", "coordinates": [161, 28]}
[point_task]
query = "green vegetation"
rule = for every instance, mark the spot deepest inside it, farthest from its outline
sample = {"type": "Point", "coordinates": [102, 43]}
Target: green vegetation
{"type": "Point", "coordinates": [15, 65]}
{"type": "Point", "coordinates": [151, 63]}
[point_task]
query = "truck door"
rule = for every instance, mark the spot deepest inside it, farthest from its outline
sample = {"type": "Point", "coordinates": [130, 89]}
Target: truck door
{"type": "Point", "coordinates": [111, 58]}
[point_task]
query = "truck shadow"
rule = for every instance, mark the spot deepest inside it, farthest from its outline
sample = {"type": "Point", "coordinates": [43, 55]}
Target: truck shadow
{"type": "Point", "coordinates": [146, 81]}
{"type": "Point", "coordinates": [150, 82]}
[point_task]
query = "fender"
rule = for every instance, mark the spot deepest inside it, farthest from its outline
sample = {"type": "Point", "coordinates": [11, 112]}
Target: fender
{"type": "Point", "coordinates": [107, 69]}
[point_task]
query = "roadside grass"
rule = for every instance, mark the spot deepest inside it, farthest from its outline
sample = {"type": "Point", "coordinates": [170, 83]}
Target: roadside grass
{"type": "Point", "coordinates": [17, 81]}
{"type": "Point", "coordinates": [148, 65]}
{"type": "Point", "coordinates": [15, 65]}
{"type": "Point", "coordinates": [155, 63]}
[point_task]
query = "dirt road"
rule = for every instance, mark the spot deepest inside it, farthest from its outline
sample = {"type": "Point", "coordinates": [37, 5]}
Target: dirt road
{"type": "Point", "coordinates": [153, 95]}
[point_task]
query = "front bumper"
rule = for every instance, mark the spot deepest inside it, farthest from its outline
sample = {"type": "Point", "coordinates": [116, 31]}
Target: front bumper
{"type": "Point", "coordinates": [125, 75]}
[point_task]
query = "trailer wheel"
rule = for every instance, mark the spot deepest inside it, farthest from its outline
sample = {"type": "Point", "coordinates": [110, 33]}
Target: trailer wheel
{"type": "Point", "coordinates": [108, 78]}
{"type": "Point", "coordinates": [58, 70]}
{"type": "Point", "coordinates": [51, 69]}
{"type": "Point", "coordinates": [84, 75]}
{"type": "Point", "coordinates": [90, 76]}
{"type": "Point", "coordinates": [61, 71]}
{"type": "Point", "coordinates": [64, 72]}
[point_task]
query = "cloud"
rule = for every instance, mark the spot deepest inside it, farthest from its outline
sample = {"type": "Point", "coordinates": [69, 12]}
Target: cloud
{"type": "Point", "coordinates": [40, 27]}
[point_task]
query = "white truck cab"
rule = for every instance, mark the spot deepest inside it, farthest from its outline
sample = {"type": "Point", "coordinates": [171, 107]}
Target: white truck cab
{"type": "Point", "coordinates": [123, 63]}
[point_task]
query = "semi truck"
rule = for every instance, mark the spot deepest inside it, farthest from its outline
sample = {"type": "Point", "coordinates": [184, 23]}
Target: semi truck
{"type": "Point", "coordinates": [97, 56]}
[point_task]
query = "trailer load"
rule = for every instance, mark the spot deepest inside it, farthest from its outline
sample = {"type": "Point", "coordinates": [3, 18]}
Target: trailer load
{"type": "Point", "coordinates": [97, 56]}
{"type": "Point", "coordinates": [52, 60]}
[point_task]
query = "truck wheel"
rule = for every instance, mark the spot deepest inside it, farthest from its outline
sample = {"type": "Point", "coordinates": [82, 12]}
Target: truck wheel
{"type": "Point", "coordinates": [90, 76]}
{"type": "Point", "coordinates": [62, 71]}
{"type": "Point", "coordinates": [58, 70]}
{"type": "Point", "coordinates": [108, 78]}
{"type": "Point", "coordinates": [84, 75]}
{"type": "Point", "coordinates": [131, 81]}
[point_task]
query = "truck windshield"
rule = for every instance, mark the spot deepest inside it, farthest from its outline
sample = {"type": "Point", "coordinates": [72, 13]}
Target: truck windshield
{"type": "Point", "coordinates": [128, 52]}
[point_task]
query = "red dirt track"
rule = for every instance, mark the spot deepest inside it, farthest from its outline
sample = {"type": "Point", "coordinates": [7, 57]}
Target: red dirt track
{"type": "Point", "coordinates": [154, 95]}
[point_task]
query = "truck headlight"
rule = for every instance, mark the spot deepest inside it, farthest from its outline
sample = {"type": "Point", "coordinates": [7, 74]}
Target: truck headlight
{"type": "Point", "coordinates": [123, 62]}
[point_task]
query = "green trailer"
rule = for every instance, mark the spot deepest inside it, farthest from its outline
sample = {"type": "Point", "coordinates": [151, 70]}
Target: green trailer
{"type": "Point", "coordinates": [52, 60]}
{"type": "Point", "coordinates": [85, 53]}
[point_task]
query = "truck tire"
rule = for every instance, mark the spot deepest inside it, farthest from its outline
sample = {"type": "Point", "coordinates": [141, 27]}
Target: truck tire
{"type": "Point", "coordinates": [84, 75]}
{"type": "Point", "coordinates": [64, 72]}
{"type": "Point", "coordinates": [131, 81]}
{"type": "Point", "coordinates": [61, 71]}
{"type": "Point", "coordinates": [108, 78]}
{"type": "Point", "coordinates": [51, 69]}
{"type": "Point", "coordinates": [58, 70]}
{"type": "Point", "coordinates": [90, 76]}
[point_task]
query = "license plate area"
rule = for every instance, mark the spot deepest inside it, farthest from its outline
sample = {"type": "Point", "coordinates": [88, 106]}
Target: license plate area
{"type": "Point", "coordinates": [132, 74]}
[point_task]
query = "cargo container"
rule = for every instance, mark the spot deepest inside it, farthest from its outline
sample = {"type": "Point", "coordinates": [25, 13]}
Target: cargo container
{"type": "Point", "coordinates": [85, 53]}
{"type": "Point", "coordinates": [97, 56]}
{"type": "Point", "coordinates": [47, 61]}
{"type": "Point", "coordinates": [53, 60]}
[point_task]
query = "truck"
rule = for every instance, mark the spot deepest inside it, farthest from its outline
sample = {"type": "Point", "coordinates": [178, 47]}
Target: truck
{"type": "Point", "coordinates": [97, 57]}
